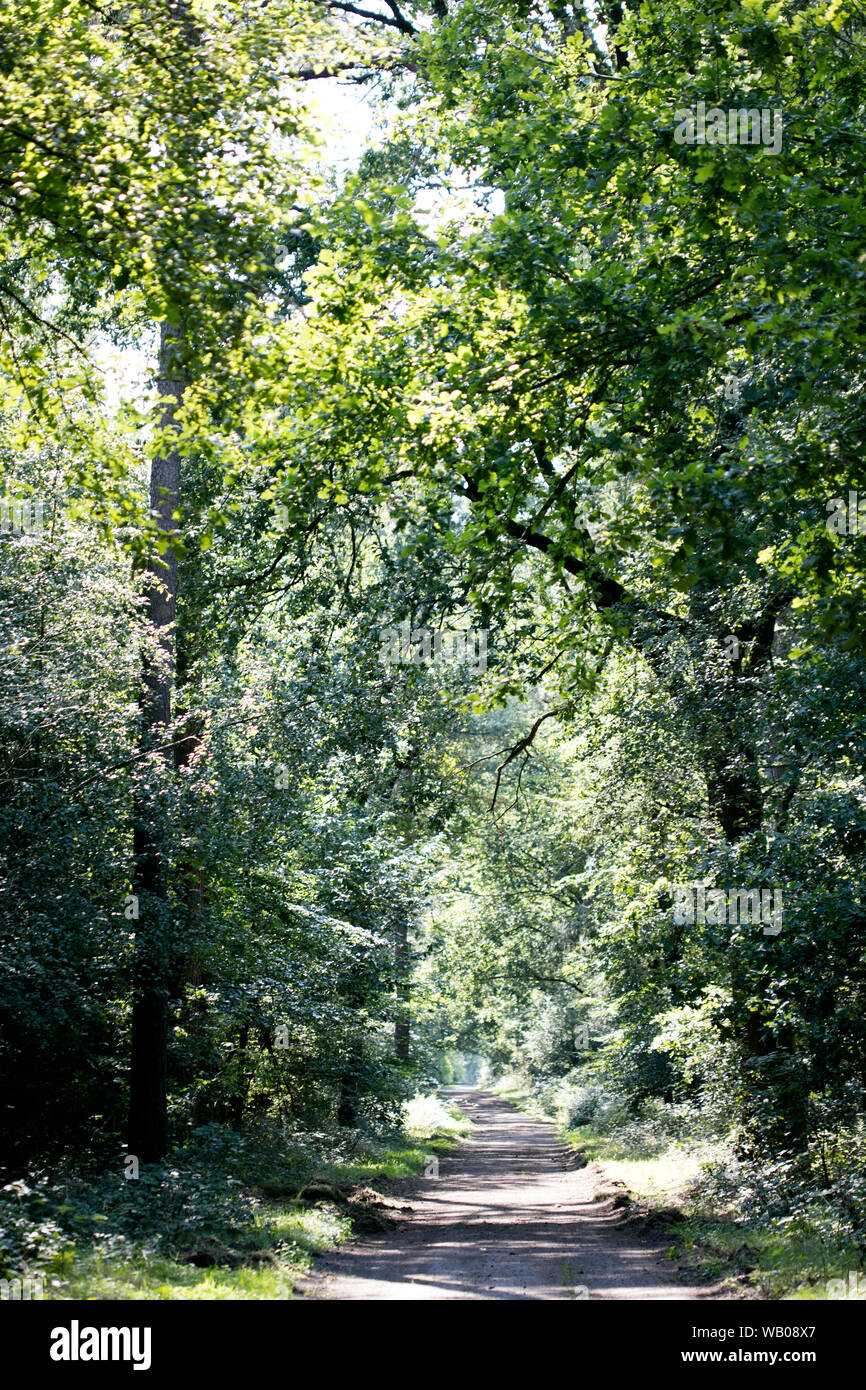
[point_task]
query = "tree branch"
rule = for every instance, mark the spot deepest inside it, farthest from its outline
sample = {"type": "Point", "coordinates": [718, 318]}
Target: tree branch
{"type": "Point", "coordinates": [398, 21]}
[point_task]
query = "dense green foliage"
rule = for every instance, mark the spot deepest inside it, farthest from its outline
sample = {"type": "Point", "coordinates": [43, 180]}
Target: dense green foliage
{"type": "Point", "coordinates": [533, 368]}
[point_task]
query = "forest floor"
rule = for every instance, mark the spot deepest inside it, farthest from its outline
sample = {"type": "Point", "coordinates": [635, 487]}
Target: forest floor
{"type": "Point", "coordinates": [510, 1215]}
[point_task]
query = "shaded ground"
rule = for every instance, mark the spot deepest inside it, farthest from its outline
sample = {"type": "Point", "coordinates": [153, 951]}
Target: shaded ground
{"type": "Point", "coordinates": [507, 1219]}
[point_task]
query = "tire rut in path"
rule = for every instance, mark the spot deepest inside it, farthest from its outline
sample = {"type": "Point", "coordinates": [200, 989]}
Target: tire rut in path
{"type": "Point", "coordinates": [505, 1219]}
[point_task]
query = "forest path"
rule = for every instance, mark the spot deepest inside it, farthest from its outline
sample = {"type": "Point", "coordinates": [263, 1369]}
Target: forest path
{"type": "Point", "coordinates": [505, 1219]}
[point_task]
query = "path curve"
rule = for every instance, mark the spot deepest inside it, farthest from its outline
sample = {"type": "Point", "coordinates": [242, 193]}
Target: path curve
{"type": "Point", "coordinates": [506, 1219]}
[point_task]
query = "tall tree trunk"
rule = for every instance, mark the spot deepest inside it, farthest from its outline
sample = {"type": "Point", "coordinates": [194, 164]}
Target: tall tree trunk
{"type": "Point", "coordinates": [350, 1087]}
{"type": "Point", "coordinates": [401, 972]}
{"type": "Point", "coordinates": [350, 1075]}
{"type": "Point", "coordinates": [243, 1079]}
{"type": "Point", "coordinates": [773, 1107]}
{"type": "Point", "coordinates": [152, 965]}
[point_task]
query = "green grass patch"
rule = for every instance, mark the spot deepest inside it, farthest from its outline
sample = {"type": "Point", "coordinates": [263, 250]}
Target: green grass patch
{"type": "Point", "coordinates": [289, 1240]}
{"type": "Point", "coordinates": [795, 1265]}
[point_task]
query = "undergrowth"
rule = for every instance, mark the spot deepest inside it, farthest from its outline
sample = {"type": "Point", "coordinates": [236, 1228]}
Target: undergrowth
{"type": "Point", "coordinates": [224, 1218]}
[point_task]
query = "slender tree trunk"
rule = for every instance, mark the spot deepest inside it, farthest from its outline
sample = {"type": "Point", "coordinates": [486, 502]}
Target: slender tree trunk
{"type": "Point", "coordinates": [350, 1077]}
{"type": "Point", "coordinates": [773, 1107]}
{"type": "Point", "coordinates": [243, 1080]}
{"type": "Point", "coordinates": [350, 1089]}
{"type": "Point", "coordinates": [401, 972]}
{"type": "Point", "coordinates": [152, 965]}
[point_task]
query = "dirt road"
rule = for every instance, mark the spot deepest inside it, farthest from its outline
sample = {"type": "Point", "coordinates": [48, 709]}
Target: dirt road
{"type": "Point", "coordinates": [506, 1219]}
